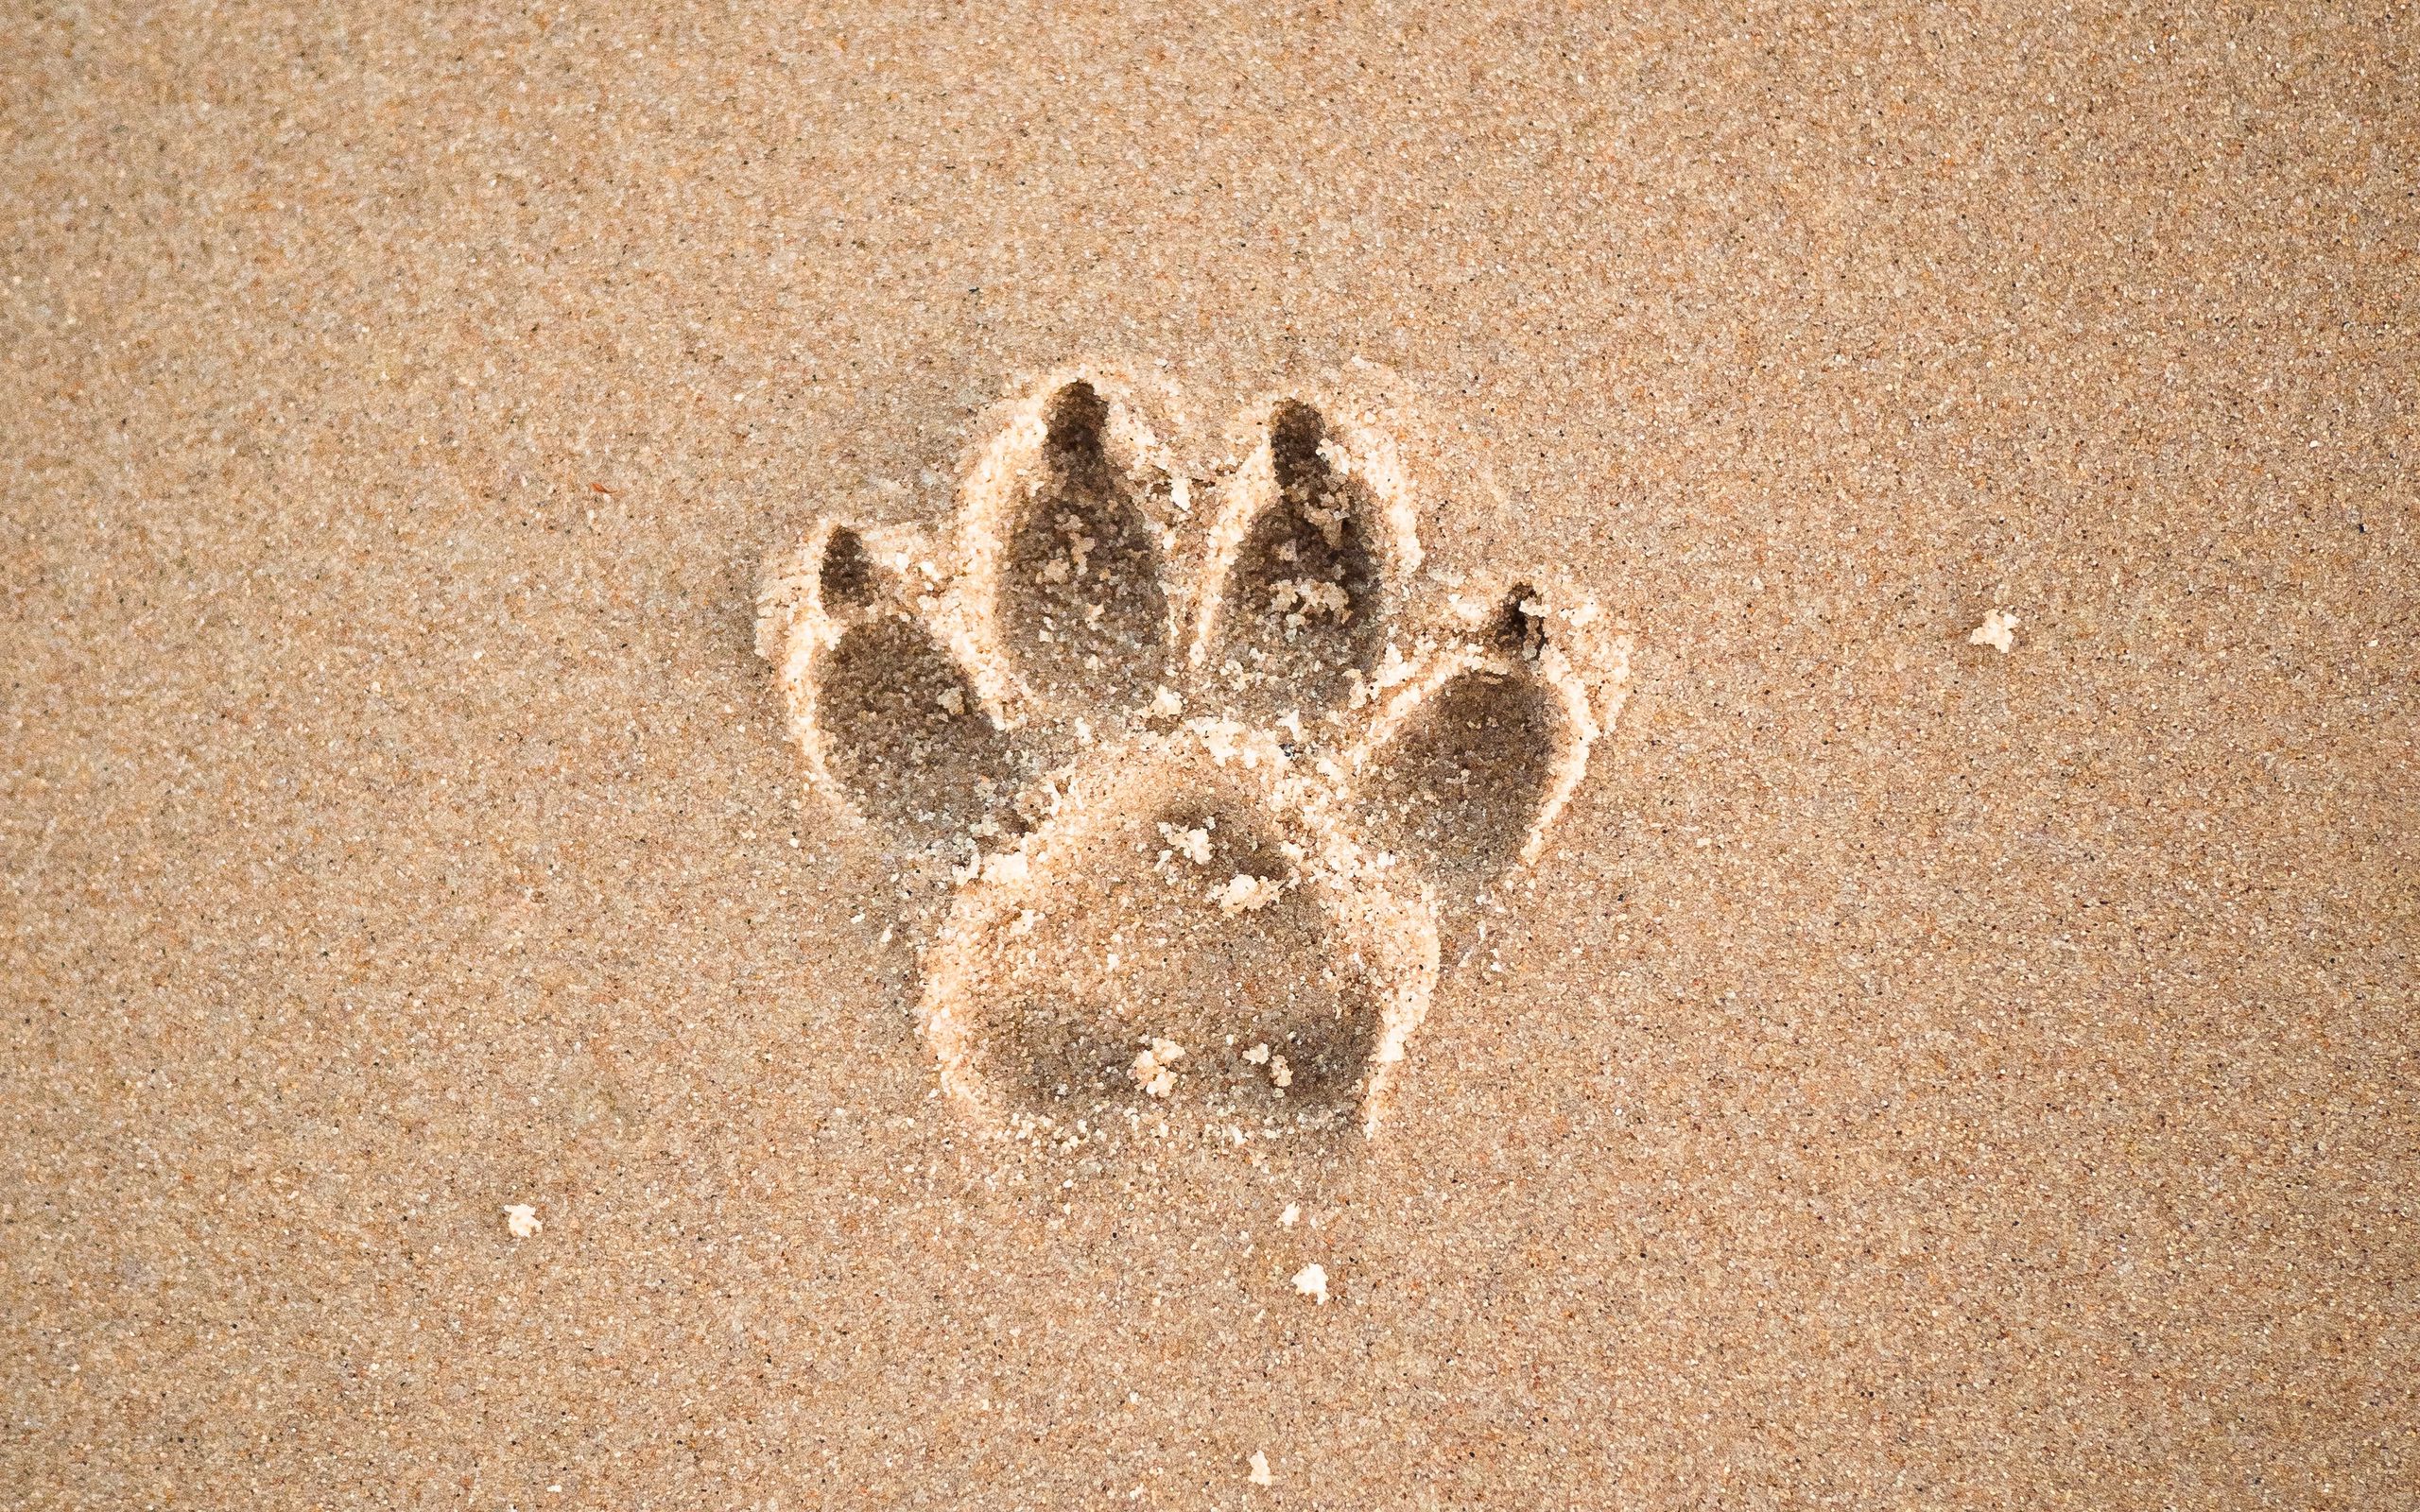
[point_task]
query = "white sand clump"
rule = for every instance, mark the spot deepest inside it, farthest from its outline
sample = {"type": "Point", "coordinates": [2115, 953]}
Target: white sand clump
{"type": "Point", "coordinates": [1280, 1075]}
{"type": "Point", "coordinates": [1311, 1280]}
{"type": "Point", "coordinates": [1194, 845]}
{"type": "Point", "coordinates": [1155, 1068]}
{"type": "Point", "coordinates": [1259, 1463]}
{"type": "Point", "coordinates": [1080, 545]}
{"type": "Point", "coordinates": [1393, 669]}
{"type": "Point", "coordinates": [1302, 599]}
{"type": "Point", "coordinates": [522, 1220]}
{"type": "Point", "coordinates": [1328, 521]}
{"type": "Point", "coordinates": [1245, 893]}
{"type": "Point", "coordinates": [1998, 631]}
{"type": "Point", "coordinates": [1226, 740]}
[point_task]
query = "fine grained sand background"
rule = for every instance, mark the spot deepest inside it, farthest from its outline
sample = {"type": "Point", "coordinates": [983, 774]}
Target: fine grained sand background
{"type": "Point", "coordinates": [1918, 1076]}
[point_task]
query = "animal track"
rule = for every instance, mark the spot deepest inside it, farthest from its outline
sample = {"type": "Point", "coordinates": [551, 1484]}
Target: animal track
{"type": "Point", "coordinates": [1203, 761]}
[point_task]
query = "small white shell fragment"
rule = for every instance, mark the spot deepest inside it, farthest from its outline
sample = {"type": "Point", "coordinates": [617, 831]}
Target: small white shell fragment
{"type": "Point", "coordinates": [522, 1220]}
{"type": "Point", "coordinates": [1259, 1463]}
{"type": "Point", "coordinates": [1311, 1280]}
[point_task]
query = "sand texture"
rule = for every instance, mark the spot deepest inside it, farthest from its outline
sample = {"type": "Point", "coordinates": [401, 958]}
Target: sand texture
{"type": "Point", "coordinates": [1344, 757]}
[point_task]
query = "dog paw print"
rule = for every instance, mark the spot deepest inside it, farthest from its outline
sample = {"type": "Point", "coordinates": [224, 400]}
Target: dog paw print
{"type": "Point", "coordinates": [1203, 766]}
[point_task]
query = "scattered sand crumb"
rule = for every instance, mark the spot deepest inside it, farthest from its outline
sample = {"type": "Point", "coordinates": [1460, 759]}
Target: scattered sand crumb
{"type": "Point", "coordinates": [1392, 669]}
{"type": "Point", "coordinates": [1311, 1280]}
{"type": "Point", "coordinates": [1154, 1066]}
{"type": "Point", "coordinates": [1314, 597]}
{"type": "Point", "coordinates": [1996, 631]}
{"type": "Point", "coordinates": [522, 1220]}
{"type": "Point", "coordinates": [951, 700]}
{"type": "Point", "coordinates": [1257, 1055]}
{"type": "Point", "coordinates": [1224, 740]}
{"type": "Point", "coordinates": [1246, 892]}
{"type": "Point", "coordinates": [1280, 1074]}
{"type": "Point", "coordinates": [1080, 545]}
{"type": "Point", "coordinates": [1194, 845]}
{"type": "Point", "coordinates": [1166, 702]}
{"type": "Point", "coordinates": [1330, 523]}
{"type": "Point", "coordinates": [1293, 1211]}
{"type": "Point", "coordinates": [1259, 1463]}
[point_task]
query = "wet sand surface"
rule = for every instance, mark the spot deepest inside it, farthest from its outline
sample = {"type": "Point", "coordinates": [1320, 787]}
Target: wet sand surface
{"type": "Point", "coordinates": [1913, 1075]}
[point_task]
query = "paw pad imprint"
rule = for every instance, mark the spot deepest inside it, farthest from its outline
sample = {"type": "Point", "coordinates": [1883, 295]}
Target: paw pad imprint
{"type": "Point", "coordinates": [1208, 766]}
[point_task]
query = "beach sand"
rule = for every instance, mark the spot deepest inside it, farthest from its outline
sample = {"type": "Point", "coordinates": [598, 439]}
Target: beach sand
{"type": "Point", "coordinates": [1912, 1073]}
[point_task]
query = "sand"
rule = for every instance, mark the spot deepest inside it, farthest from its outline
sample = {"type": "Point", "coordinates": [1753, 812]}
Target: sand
{"type": "Point", "coordinates": [456, 1059]}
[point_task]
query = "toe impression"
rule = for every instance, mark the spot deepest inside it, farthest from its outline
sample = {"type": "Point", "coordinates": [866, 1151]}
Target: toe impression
{"type": "Point", "coordinates": [1312, 544]}
{"type": "Point", "coordinates": [1469, 763]}
{"type": "Point", "coordinates": [888, 718]}
{"type": "Point", "coordinates": [1060, 544]}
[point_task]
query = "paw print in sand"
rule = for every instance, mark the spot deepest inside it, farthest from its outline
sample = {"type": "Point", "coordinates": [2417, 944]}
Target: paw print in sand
{"type": "Point", "coordinates": [1203, 766]}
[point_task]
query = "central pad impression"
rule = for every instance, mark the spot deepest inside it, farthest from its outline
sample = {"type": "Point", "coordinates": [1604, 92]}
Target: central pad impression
{"type": "Point", "coordinates": [1194, 943]}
